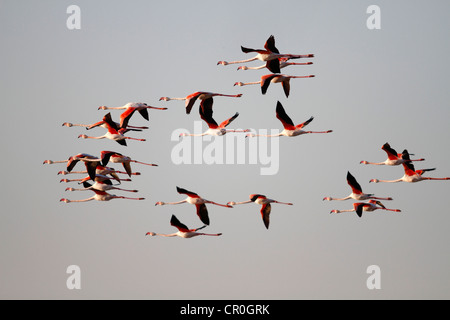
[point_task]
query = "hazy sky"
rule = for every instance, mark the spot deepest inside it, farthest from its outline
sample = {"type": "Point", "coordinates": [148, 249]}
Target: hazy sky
{"type": "Point", "coordinates": [371, 87]}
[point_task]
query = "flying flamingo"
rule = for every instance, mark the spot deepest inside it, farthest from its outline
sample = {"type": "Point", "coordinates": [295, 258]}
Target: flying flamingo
{"type": "Point", "coordinates": [100, 196]}
{"type": "Point", "coordinates": [265, 209]}
{"type": "Point", "coordinates": [90, 162]}
{"type": "Point", "coordinates": [411, 174]}
{"type": "Point", "coordinates": [101, 124]}
{"type": "Point", "coordinates": [214, 129]}
{"type": "Point", "coordinates": [101, 170]}
{"type": "Point", "coordinates": [205, 97]}
{"type": "Point", "coordinates": [81, 180]}
{"type": "Point", "coordinates": [115, 157]}
{"type": "Point", "coordinates": [394, 158]}
{"type": "Point", "coordinates": [100, 184]}
{"type": "Point", "coordinates": [183, 231]}
{"type": "Point", "coordinates": [359, 207]}
{"type": "Point", "coordinates": [290, 130]}
{"type": "Point", "coordinates": [357, 193]}
{"type": "Point", "coordinates": [283, 64]}
{"type": "Point", "coordinates": [114, 133]}
{"type": "Point", "coordinates": [195, 199]}
{"type": "Point", "coordinates": [269, 54]}
{"type": "Point", "coordinates": [130, 108]}
{"type": "Point", "coordinates": [274, 78]}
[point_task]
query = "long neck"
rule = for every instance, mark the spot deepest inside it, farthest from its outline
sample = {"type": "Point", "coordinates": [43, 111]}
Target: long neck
{"type": "Point", "coordinates": [337, 199]}
{"type": "Point", "coordinates": [166, 235]}
{"type": "Point", "coordinates": [244, 202]}
{"type": "Point", "coordinates": [147, 164]}
{"type": "Point", "coordinates": [264, 135]}
{"type": "Point", "coordinates": [52, 162]}
{"type": "Point", "coordinates": [375, 163]}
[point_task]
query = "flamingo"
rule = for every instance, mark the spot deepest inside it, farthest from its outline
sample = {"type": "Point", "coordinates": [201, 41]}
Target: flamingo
{"type": "Point", "coordinates": [283, 64]}
{"type": "Point", "coordinates": [411, 174]}
{"type": "Point", "coordinates": [290, 130]}
{"type": "Point", "coordinates": [199, 202]}
{"type": "Point", "coordinates": [101, 124]}
{"type": "Point", "coordinates": [357, 193]}
{"type": "Point", "coordinates": [100, 196]}
{"type": "Point", "coordinates": [183, 231]}
{"type": "Point", "coordinates": [213, 128]}
{"type": "Point", "coordinates": [205, 97]}
{"type": "Point", "coordinates": [101, 183]}
{"type": "Point", "coordinates": [115, 157]}
{"type": "Point", "coordinates": [101, 170]}
{"type": "Point", "coordinates": [81, 180]}
{"type": "Point", "coordinates": [130, 108]}
{"type": "Point", "coordinates": [269, 54]}
{"type": "Point", "coordinates": [394, 158]}
{"type": "Point", "coordinates": [90, 162]}
{"type": "Point", "coordinates": [370, 206]}
{"type": "Point", "coordinates": [274, 78]}
{"type": "Point", "coordinates": [265, 209]}
{"type": "Point", "coordinates": [114, 133]}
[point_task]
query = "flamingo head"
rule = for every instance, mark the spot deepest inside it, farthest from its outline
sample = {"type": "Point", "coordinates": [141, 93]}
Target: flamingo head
{"type": "Point", "coordinates": [326, 198]}
{"type": "Point", "coordinates": [224, 63]}
{"type": "Point", "coordinates": [164, 99]}
{"type": "Point", "coordinates": [334, 211]}
{"type": "Point", "coordinates": [374, 180]}
{"type": "Point", "coordinates": [64, 200]}
{"type": "Point", "coordinates": [150, 234]}
{"type": "Point", "coordinates": [231, 203]}
{"type": "Point", "coordinates": [102, 108]}
{"type": "Point", "coordinates": [242, 68]}
{"type": "Point", "coordinates": [363, 162]}
{"type": "Point", "coordinates": [159, 203]}
{"type": "Point", "coordinates": [240, 84]}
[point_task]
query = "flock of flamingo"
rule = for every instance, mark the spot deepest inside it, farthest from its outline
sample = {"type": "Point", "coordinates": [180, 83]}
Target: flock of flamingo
{"type": "Point", "coordinates": [101, 178]}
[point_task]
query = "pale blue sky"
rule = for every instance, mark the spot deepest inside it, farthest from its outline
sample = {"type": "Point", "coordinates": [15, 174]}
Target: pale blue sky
{"type": "Point", "coordinates": [371, 87]}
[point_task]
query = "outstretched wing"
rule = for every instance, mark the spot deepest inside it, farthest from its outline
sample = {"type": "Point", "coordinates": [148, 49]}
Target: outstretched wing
{"type": "Point", "coordinates": [391, 153]}
{"type": "Point", "coordinates": [356, 188]}
{"type": "Point", "coordinates": [190, 100]}
{"type": "Point", "coordinates": [265, 82]}
{"type": "Point", "coordinates": [359, 208]}
{"type": "Point", "coordinates": [270, 45]}
{"type": "Point", "coordinates": [126, 116]}
{"type": "Point", "coordinates": [202, 213]}
{"type": "Point", "coordinates": [177, 224]}
{"type": "Point", "coordinates": [283, 117]}
{"type": "Point", "coordinates": [265, 213]}
{"type": "Point", "coordinates": [228, 121]}
{"type": "Point", "coordinates": [274, 66]}
{"type": "Point", "coordinates": [188, 193]}
{"type": "Point", "coordinates": [303, 124]}
{"type": "Point", "coordinates": [206, 115]}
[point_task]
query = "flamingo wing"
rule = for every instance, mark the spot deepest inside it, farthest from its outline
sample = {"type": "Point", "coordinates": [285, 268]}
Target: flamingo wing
{"type": "Point", "coordinates": [177, 224]}
{"type": "Point", "coordinates": [265, 82]}
{"type": "Point", "coordinates": [144, 113]}
{"type": "Point", "coordinates": [112, 127]}
{"type": "Point", "coordinates": [202, 213]}
{"type": "Point", "coordinates": [391, 153]}
{"type": "Point", "coordinates": [273, 65]}
{"type": "Point", "coordinates": [270, 45]}
{"type": "Point", "coordinates": [126, 116]}
{"type": "Point", "coordinates": [356, 187]}
{"type": "Point", "coordinates": [265, 213]}
{"type": "Point", "coordinates": [303, 124]}
{"type": "Point", "coordinates": [228, 121]}
{"type": "Point", "coordinates": [286, 84]}
{"type": "Point", "coordinates": [207, 104]}
{"type": "Point", "coordinates": [206, 115]}
{"type": "Point", "coordinates": [190, 100]}
{"type": "Point", "coordinates": [359, 208]}
{"type": "Point", "coordinates": [106, 155]}
{"type": "Point", "coordinates": [283, 117]}
{"type": "Point", "coordinates": [408, 165]}
{"type": "Point", "coordinates": [188, 193]}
